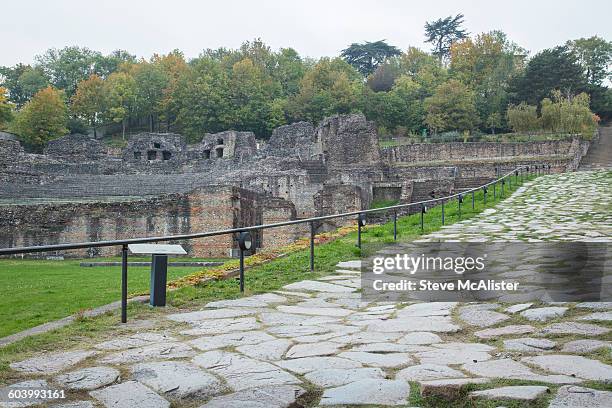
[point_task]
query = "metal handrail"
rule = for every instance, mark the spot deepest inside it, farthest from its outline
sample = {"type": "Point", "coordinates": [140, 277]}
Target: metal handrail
{"type": "Point", "coordinates": [98, 244]}
{"type": "Point", "coordinates": [361, 217]}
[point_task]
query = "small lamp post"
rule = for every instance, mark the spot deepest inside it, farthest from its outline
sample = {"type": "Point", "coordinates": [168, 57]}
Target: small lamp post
{"type": "Point", "coordinates": [245, 243]}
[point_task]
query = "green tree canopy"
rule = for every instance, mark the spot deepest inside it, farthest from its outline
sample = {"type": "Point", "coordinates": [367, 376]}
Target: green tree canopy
{"type": "Point", "coordinates": [451, 107]}
{"type": "Point", "coordinates": [120, 91]}
{"type": "Point", "coordinates": [443, 32]}
{"type": "Point", "coordinates": [89, 101]}
{"type": "Point", "coordinates": [6, 109]}
{"type": "Point", "coordinates": [594, 54]}
{"type": "Point", "coordinates": [366, 57]}
{"type": "Point", "coordinates": [551, 69]}
{"type": "Point", "coordinates": [43, 118]}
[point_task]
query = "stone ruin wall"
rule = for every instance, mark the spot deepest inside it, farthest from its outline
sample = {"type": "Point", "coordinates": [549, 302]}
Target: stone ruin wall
{"type": "Point", "coordinates": [159, 185]}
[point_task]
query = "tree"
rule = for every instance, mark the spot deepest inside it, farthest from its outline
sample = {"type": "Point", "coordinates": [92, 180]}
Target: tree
{"type": "Point", "coordinates": [486, 64]}
{"type": "Point", "coordinates": [332, 86]}
{"type": "Point", "coordinates": [451, 107]}
{"type": "Point", "coordinates": [106, 65]}
{"type": "Point", "coordinates": [89, 100]}
{"type": "Point", "coordinates": [67, 67]}
{"type": "Point", "coordinates": [568, 114]}
{"type": "Point", "coordinates": [174, 67]}
{"type": "Point", "coordinates": [43, 118]}
{"type": "Point", "coordinates": [594, 55]}
{"type": "Point", "coordinates": [551, 69]}
{"type": "Point", "coordinates": [523, 118]}
{"type": "Point", "coordinates": [368, 56]}
{"type": "Point", "coordinates": [442, 33]}
{"type": "Point", "coordinates": [120, 91]}
{"type": "Point", "coordinates": [151, 80]}
{"type": "Point", "coordinates": [384, 77]}
{"type": "Point", "coordinates": [22, 82]}
{"type": "Point", "coordinates": [203, 98]}
{"type": "Point", "coordinates": [6, 109]}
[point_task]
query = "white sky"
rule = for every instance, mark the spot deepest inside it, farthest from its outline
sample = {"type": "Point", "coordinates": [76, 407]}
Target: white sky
{"type": "Point", "coordinates": [313, 27]}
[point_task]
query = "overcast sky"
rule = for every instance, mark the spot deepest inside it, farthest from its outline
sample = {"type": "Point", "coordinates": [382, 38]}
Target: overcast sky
{"type": "Point", "coordinates": [313, 27]}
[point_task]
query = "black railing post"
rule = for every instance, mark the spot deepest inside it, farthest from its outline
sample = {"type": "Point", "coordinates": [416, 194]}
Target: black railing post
{"type": "Point", "coordinates": [459, 201]}
{"type": "Point", "coordinates": [395, 225]}
{"type": "Point", "coordinates": [442, 212]}
{"type": "Point", "coordinates": [423, 210]}
{"type": "Point", "coordinates": [241, 270]}
{"type": "Point", "coordinates": [484, 195]}
{"type": "Point", "coordinates": [473, 199]}
{"type": "Point", "coordinates": [312, 237]}
{"type": "Point", "coordinates": [495, 191]}
{"type": "Point", "coordinates": [361, 221]}
{"type": "Point", "coordinates": [124, 283]}
{"type": "Point", "coordinates": [503, 183]}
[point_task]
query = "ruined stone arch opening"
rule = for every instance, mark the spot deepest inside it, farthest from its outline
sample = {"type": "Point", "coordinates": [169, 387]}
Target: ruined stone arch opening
{"type": "Point", "coordinates": [166, 155]}
{"type": "Point", "coordinates": [219, 151]}
{"type": "Point", "coordinates": [137, 155]}
{"type": "Point", "coordinates": [219, 141]}
{"type": "Point", "coordinates": [157, 145]}
{"type": "Point", "coordinates": [152, 155]}
{"type": "Point", "coordinates": [206, 154]}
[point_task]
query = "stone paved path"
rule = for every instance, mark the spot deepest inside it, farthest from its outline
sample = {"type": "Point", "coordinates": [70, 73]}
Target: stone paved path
{"type": "Point", "coordinates": [316, 343]}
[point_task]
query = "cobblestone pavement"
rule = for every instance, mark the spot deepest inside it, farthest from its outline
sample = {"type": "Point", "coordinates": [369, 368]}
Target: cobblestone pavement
{"type": "Point", "coordinates": [316, 343]}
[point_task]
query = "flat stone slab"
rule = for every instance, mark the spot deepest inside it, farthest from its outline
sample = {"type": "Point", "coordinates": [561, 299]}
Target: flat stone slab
{"type": "Point", "coordinates": [451, 356]}
{"type": "Point", "coordinates": [598, 316]}
{"type": "Point", "coordinates": [314, 349]}
{"type": "Point", "coordinates": [162, 351]}
{"type": "Point", "coordinates": [595, 305]}
{"type": "Point", "coordinates": [366, 337]}
{"type": "Point", "coordinates": [441, 324]}
{"type": "Point", "coordinates": [476, 316]}
{"type": "Point", "coordinates": [584, 346]}
{"type": "Point", "coordinates": [384, 360]}
{"type": "Point", "coordinates": [316, 286]}
{"type": "Point", "coordinates": [427, 309]}
{"type": "Point", "coordinates": [335, 377]}
{"type": "Point", "coordinates": [288, 319]}
{"type": "Point", "coordinates": [209, 314]}
{"type": "Point", "coordinates": [349, 265]}
{"type": "Point", "coordinates": [510, 369]}
{"type": "Point", "coordinates": [420, 338]}
{"type": "Point", "coordinates": [530, 345]}
{"type": "Point", "coordinates": [242, 372]}
{"type": "Point", "coordinates": [134, 340]}
{"type": "Point", "coordinates": [222, 326]}
{"type": "Point", "coordinates": [518, 307]}
{"type": "Point", "coordinates": [308, 364]}
{"type": "Point", "coordinates": [573, 365]}
{"type": "Point", "coordinates": [542, 314]}
{"type": "Point", "coordinates": [390, 348]}
{"type": "Point", "coordinates": [89, 378]}
{"type": "Point", "coordinates": [315, 311]}
{"type": "Point", "coordinates": [579, 329]}
{"type": "Point", "coordinates": [129, 395]}
{"type": "Point", "coordinates": [278, 396]}
{"type": "Point", "coordinates": [263, 300]}
{"type": "Point", "coordinates": [231, 339]}
{"type": "Point", "coordinates": [504, 331]}
{"type": "Point", "coordinates": [572, 396]}
{"type": "Point", "coordinates": [370, 392]}
{"type": "Point", "coordinates": [516, 393]}
{"type": "Point", "coordinates": [52, 363]}
{"type": "Point", "coordinates": [448, 388]}
{"type": "Point", "coordinates": [75, 404]}
{"type": "Point", "coordinates": [24, 385]}
{"type": "Point", "coordinates": [268, 350]}
{"type": "Point", "coordinates": [424, 372]}
{"type": "Point", "coordinates": [177, 379]}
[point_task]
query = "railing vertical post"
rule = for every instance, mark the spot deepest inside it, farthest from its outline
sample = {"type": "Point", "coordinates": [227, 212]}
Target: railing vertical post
{"type": "Point", "coordinates": [495, 191]}
{"type": "Point", "coordinates": [395, 225]}
{"type": "Point", "coordinates": [422, 217]}
{"type": "Point", "coordinates": [473, 199]}
{"type": "Point", "coordinates": [503, 182]}
{"type": "Point", "coordinates": [442, 212]}
{"type": "Point", "coordinates": [312, 237]}
{"type": "Point", "coordinates": [358, 233]}
{"type": "Point", "coordinates": [484, 196]}
{"type": "Point", "coordinates": [459, 201]}
{"type": "Point", "coordinates": [124, 283]}
{"type": "Point", "coordinates": [241, 271]}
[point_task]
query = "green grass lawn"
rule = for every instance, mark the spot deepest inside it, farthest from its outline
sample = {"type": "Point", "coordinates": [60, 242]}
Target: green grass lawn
{"type": "Point", "coordinates": [37, 291]}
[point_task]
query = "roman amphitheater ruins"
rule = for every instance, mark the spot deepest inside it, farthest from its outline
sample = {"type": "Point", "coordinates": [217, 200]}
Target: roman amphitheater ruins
{"type": "Point", "coordinates": [79, 189]}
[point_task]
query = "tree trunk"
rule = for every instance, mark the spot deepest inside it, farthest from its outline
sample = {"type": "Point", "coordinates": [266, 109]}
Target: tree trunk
{"type": "Point", "coordinates": [123, 129]}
